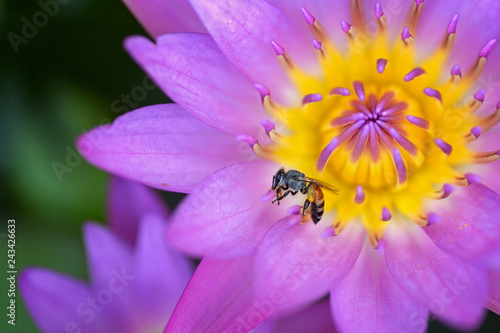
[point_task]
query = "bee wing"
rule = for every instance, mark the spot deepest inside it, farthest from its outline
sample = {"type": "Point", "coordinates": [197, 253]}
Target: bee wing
{"type": "Point", "coordinates": [321, 184]}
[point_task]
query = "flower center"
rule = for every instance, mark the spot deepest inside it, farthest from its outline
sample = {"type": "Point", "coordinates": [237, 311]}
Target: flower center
{"type": "Point", "coordinates": [379, 124]}
{"type": "Point", "coordinates": [370, 141]}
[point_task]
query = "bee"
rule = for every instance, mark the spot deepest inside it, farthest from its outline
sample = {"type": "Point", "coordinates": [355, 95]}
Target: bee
{"type": "Point", "coordinates": [293, 182]}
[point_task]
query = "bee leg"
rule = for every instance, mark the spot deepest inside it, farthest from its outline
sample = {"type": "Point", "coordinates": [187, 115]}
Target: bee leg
{"type": "Point", "coordinates": [278, 198]}
{"type": "Point", "coordinates": [307, 203]}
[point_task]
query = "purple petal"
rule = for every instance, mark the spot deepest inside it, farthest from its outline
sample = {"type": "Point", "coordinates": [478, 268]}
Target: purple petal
{"type": "Point", "coordinates": [369, 300]}
{"type": "Point", "coordinates": [219, 298]}
{"type": "Point", "coordinates": [313, 319]}
{"type": "Point", "coordinates": [162, 146]}
{"type": "Point", "coordinates": [52, 299]}
{"type": "Point", "coordinates": [191, 69]}
{"type": "Point", "coordinates": [161, 272]}
{"type": "Point", "coordinates": [224, 216]}
{"type": "Point", "coordinates": [107, 255]}
{"type": "Point", "coordinates": [452, 289]}
{"type": "Point", "coordinates": [469, 222]}
{"type": "Point", "coordinates": [328, 13]}
{"type": "Point", "coordinates": [476, 27]}
{"type": "Point", "coordinates": [159, 17]}
{"type": "Point", "coordinates": [243, 29]}
{"type": "Point", "coordinates": [129, 201]}
{"type": "Point", "coordinates": [493, 302]}
{"type": "Point", "coordinates": [300, 264]}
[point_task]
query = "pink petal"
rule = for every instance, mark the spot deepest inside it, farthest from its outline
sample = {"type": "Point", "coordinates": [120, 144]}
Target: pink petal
{"type": "Point", "coordinates": [219, 298]}
{"type": "Point", "coordinates": [300, 264]}
{"type": "Point", "coordinates": [329, 14]}
{"type": "Point", "coordinates": [224, 216]}
{"type": "Point", "coordinates": [369, 300]}
{"type": "Point", "coordinates": [161, 146]}
{"type": "Point", "coordinates": [469, 224]}
{"type": "Point", "coordinates": [488, 142]}
{"type": "Point", "coordinates": [493, 302]}
{"type": "Point", "coordinates": [313, 319]}
{"type": "Point", "coordinates": [243, 30]}
{"type": "Point", "coordinates": [128, 201]}
{"type": "Point", "coordinates": [452, 289]}
{"type": "Point", "coordinates": [52, 299]}
{"type": "Point", "coordinates": [191, 69]}
{"type": "Point", "coordinates": [161, 272]}
{"type": "Point", "coordinates": [107, 255]}
{"type": "Point", "coordinates": [159, 17]}
{"type": "Point", "coordinates": [476, 26]}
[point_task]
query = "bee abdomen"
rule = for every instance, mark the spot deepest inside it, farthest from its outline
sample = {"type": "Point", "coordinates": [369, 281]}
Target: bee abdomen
{"type": "Point", "coordinates": [317, 211]}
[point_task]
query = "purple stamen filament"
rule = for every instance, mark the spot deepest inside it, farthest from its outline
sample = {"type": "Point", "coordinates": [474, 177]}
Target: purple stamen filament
{"type": "Point", "coordinates": [372, 125]}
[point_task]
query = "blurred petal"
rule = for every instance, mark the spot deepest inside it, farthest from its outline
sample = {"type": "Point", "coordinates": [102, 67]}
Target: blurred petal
{"type": "Point", "coordinates": [219, 298]}
{"type": "Point", "coordinates": [243, 30]}
{"type": "Point", "coordinates": [224, 216]}
{"type": "Point", "coordinates": [52, 299]}
{"type": "Point", "coordinates": [469, 225]}
{"type": "Point", "coordinates": [453, 290]}
{"type": "Point", "coordinates": [296, 261]}
{"type": "Point", "coordinates": [369, 300]}
{"type": "Point", "coordinates": [159, 17]}
{"type": "Point", "coordinates": [191, 70]}
{"type": "Point", "coordinates": [162, 146]}
{"type": "Point", "coordinates": [493, 302]}
{"type": "Point", "coordinates": [107, 255]}
{"type": "Point", "coordinates": [128, 201]}
{"type": "Point", "coordinates": [162, 273]}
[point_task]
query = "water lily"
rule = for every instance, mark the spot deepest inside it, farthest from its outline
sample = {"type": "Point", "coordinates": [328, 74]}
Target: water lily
{"type": "Point", "coordinates": [133, 287]}
{"type": "Point", "coordinates": [394, 103]}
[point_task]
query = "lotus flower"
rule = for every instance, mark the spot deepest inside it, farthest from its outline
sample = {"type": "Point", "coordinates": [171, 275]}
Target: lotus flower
{"type": "Point", "coordinates": [393, 103]}
{"type": "Point", "coordinates": [133, 288]}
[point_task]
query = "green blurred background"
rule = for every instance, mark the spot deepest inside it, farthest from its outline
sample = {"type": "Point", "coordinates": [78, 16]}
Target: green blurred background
{"type": "Point", "coordinates": [62, 82]}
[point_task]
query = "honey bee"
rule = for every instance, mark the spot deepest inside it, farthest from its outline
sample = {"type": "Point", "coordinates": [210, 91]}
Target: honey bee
{"type": "Point", "coordinates": [293, 182]}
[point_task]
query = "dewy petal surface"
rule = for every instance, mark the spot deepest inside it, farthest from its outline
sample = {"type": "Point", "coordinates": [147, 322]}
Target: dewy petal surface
{"type": "Point", "coordinates": [159, 17]}
{"type": "Point", "coordinates": [228, 282]}
{"type": "Point", "coordinates": [469, 226]}
{"type": "Point", "coordinates": [453, 289]}
{"type": "Point", "coordinates": [369, 300]}
{"type": "Point", "coordinates": [217, 222]}
{"type": "Point", "coordinates": [128, 201]}
{"type": "Point", "coordinates": [243, 30]}
{"type": "Point", "coordinates": [297, 262]}
{"type": "Point", "coordinates": [192, 70]}
{"type": "Point", "coordinates": [161, 146]}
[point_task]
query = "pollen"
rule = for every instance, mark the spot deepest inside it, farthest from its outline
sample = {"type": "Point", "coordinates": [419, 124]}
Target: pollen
{"type": "Point", "coordinates": [387, 128]}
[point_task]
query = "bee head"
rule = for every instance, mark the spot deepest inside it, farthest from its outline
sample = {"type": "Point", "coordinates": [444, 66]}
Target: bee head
{"type": "Point", "coordinates": [278, 179]}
